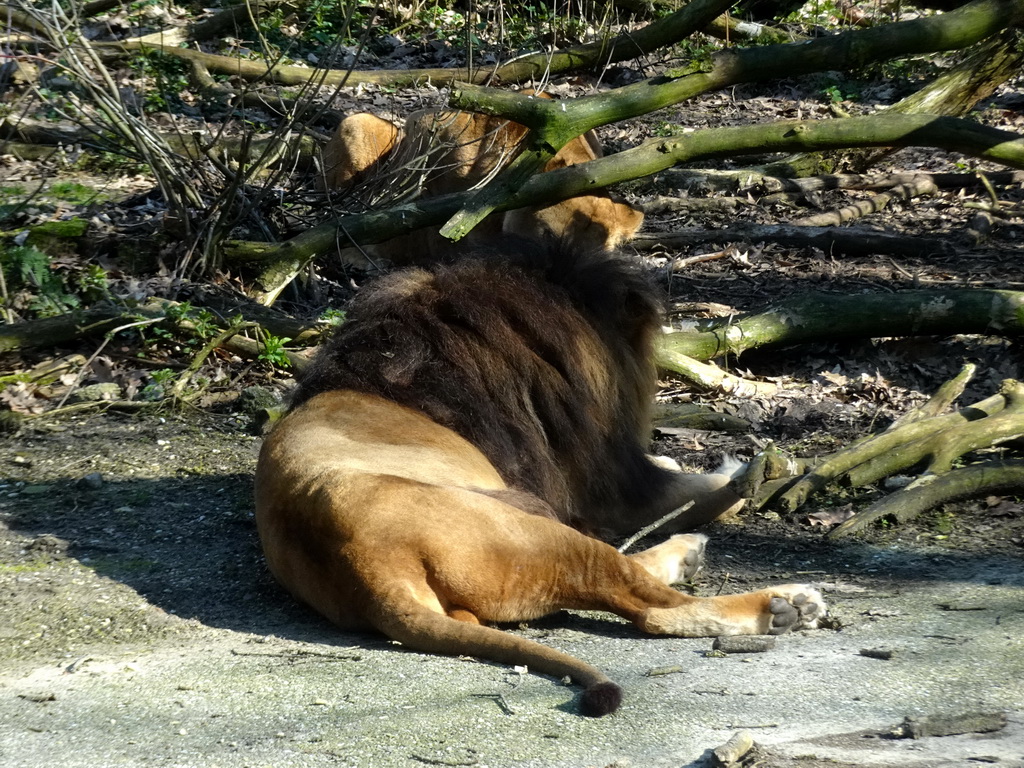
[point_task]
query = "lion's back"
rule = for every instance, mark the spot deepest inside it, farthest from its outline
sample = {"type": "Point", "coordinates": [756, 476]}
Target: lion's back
{"type": "Point", "coordinates": [539, 358]}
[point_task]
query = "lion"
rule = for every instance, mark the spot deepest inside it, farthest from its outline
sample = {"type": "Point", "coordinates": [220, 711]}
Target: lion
{"type": "Point", "coordinates": [457, 448]}
{"type": "Point", "coordinates": [453, 151]}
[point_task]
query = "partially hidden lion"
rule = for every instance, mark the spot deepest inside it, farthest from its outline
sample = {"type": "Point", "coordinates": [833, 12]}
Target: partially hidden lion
{"type": "Point", "coordinates": [454, 151]}
{"type": "Point", "coordinates": [456, 448]}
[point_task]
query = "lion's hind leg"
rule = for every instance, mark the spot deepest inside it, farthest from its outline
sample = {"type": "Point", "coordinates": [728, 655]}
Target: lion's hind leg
{"type": "Point", "coordinates": [771, 611]}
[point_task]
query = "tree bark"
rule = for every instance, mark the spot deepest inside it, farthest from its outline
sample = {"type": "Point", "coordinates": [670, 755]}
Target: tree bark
{"type": "Point", "coordinates": [814, 317]}
{"type": "Point", "coordinates": [854, 241]}
{"type": "Point", "coordinates": [955, 93]}
{"type": "Point", "coordinates": [975, 481]}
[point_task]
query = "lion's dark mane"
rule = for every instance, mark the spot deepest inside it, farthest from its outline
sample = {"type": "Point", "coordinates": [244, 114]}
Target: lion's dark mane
{"type": "Point", "coordinates": [541, 359]}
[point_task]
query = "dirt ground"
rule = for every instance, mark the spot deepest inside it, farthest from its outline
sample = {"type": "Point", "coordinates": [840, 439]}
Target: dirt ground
{"type": "Point", "coordinates": [128, 551]}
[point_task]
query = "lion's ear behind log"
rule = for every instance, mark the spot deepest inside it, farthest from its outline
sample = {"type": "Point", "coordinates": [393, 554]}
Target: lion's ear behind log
{"type": "Point", "coordinates": [358, 148]}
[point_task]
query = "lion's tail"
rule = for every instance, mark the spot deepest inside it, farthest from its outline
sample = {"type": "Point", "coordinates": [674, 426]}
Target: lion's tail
{"type": "Point", "coordinates": [422, 629]}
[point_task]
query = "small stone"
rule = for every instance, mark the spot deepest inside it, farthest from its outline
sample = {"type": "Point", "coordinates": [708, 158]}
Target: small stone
{"type": "Point", "coordinates": [94, 393]}
{"type": "Point", "coordinates": [93, 481]}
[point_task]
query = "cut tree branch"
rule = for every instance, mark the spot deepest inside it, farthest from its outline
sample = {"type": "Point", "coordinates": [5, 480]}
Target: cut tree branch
{"type": "Point", "coordinates": [666, 31]}
{"type": "Point", "coordinates": [814, 316]}
{"type": "Point", "coordinates": [706, 376]}
{"type": "Point", "coordinates": [975, 481]}
{"type": "Point", "coordinates": [874, 204]}
{"type": "Point", "coordinates": [955, 93]}
{"type": "Point", "coordinates": [995, 419]}
{"type": "Point", "coordinates": [855, 241]}
{"type": "Point", "coordinates": [752, 180]}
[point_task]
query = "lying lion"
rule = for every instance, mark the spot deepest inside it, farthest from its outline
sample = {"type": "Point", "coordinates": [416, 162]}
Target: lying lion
{"type": "Point", "coordinates": [455, 151]}
{"type": "Point", "coordinates": [454, 443]}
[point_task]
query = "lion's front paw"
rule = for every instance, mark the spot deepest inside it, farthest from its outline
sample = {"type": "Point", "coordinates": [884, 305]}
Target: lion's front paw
{"type": "Point", "coordinates": [795, 606]}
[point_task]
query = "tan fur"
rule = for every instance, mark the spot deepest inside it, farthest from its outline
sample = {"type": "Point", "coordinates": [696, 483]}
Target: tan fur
{"type": "Point", "coordinates": [374, 515]}
{"type": "Point", "coordinates": [378, 517]}
{"type": "Point", "coordinates": [356, 147]}
{"type": "Point", "coordinates": [456, 151]}
{"type": "Point", "coordinates": [454, 436]}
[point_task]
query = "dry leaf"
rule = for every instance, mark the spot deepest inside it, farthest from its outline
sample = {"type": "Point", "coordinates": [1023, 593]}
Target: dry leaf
{"type": "Point", "coordinates": [830, 517]}
{"type": "Point", "coordinates": [21, 398]}
{"type": "Point", "coordinates": [1002, 507]}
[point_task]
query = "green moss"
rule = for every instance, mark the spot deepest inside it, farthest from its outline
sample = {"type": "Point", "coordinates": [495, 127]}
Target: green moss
{"type": "Point", "coordinates": [111, 564]}
{"type": "Point", "coordinates": [73, 192]}
{"type": "Point", "coordinates": [32, 566]}
{"type": "Point", "coordinates": [68, 228]}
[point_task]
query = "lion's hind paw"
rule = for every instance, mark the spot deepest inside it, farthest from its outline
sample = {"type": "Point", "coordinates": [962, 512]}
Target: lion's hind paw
{"type": "Point", "coordinates": [795, 606]}
{"type": "Point", "coordinates": [676, 560]}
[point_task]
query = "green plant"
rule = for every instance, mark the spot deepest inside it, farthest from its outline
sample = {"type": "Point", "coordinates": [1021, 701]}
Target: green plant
{"type": "Point", "coordinates": [666, 129]}
{"type": "Point", "coordinates": [159, 381]}
{"type": "Point", "coordinates": [169, 78]}
{"type": "Point", "coordinates": [111, 162]}
{"type": "Point", "coordinates": [273, 351]}
{"type": "Point", "coordinates": [92, 282]}
{"type": "Point", "coordinates": [836, 94]}
{"type": "Point", "coordinates": [333, 316]}
{"type": "Point", "coordinates": [55, 103]}
{"type": "Point", "coordinates": [943, 521]}
{"type": "Point", "coordinates": [823, 13]}
{"type": "Point", "coordinates": [444, 23]}
{"type": "Point", "coordinates": [203, 322]}
{"type": "Point", "coordinates": [73, 192]}
{"type": "Point", "coordinates": [29, 270]}
{"type": "Point", "coordinates": [325, 25]}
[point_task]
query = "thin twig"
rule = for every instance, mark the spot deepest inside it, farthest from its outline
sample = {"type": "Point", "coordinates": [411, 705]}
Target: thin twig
{"type": "Point", "coordinates": [106, 340]}
{"type": "Point", "coordinates": [193, 367]}
{"type": "Point", "coordinates": [654, 526]}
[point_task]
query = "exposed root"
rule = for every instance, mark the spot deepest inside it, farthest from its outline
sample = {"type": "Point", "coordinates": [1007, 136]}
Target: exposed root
{"type": "Point", "coordinates": [928, 491]}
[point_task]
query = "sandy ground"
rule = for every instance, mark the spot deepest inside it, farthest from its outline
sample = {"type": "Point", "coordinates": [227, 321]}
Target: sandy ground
{"type": "Point", "coordinates": [138, 626]}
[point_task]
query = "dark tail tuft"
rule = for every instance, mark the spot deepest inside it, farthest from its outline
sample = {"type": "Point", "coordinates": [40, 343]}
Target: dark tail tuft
{"type": "Point", "coordinates": [601, 699]}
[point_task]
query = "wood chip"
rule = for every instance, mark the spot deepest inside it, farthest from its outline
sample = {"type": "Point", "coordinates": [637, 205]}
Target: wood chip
{"type": "Point", "coordinates": [878, 653]}
{"type": "Point", "coordinates": [950, 725]}
{"type": "Point", "coordinates": [658, 671]}
{"type": "Point", "coordinates": [963, 605]}
{"type": "Point", "coordinates": [733, 751]}
{"type": "Point", "coordinates": [38, 698]}
{"type": "Point", "coordinates": [743, 643]}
